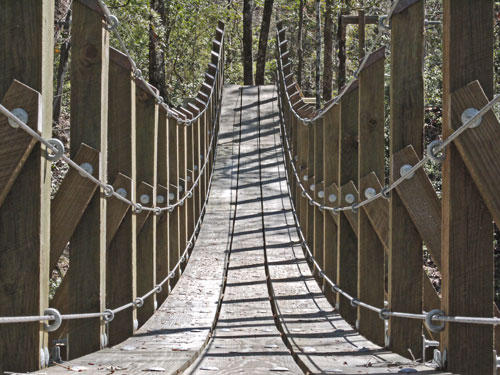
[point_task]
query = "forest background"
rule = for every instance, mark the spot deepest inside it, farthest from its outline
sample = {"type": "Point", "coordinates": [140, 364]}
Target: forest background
{"type": "Point", "coordinates": [170, 40]}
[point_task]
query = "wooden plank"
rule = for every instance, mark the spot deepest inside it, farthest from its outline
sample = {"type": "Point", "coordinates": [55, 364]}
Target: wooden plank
{"type": "Point", "coordinates": [70, 202]}
{"type": "Point", "coordinates": [184, 209]}
{"type": "Point", "coordinates": [318, 225]}
{"type": "Point", "coordinates": [162, 200]}
{"type": "Point", "coordinates": [122, 248]}
{"type": "Point", "coordinates": [15, 144]}
{"type": "Point", "coordinates": [467, 259]}
{"type": "Point", "coordinates": [480, 146]}
{"type": "Point", "coordinates": [331, 200]}
{"type": "Point", "coordinates": [347, 250]}
{"type": "Point", "coordinates": [116, 210]}
{"type": "Point", "coordinates": [174, 218]}
{"type": "Point", "coordinates": [190, 202]}
{"type": "Point", "coordinates": [421, 202]}
{"type": "Point", "coordinates": [378, 210]}
{"type": "Point", "coordinates": [26, 205]}
{"type": "Point", "coordinates": [89, 121]}
{"type": "Point", "coordinates": [147, 116]}
{"type": "Point", "coordinates": [352, 217]}
{"type": "Point", "coordinates": [371, 158]}
{"type": "Point", "coordinates": [407, 119]}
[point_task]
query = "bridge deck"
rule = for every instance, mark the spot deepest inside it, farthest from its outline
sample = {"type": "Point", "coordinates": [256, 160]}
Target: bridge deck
{"type": "Point", "coordinates": [249, 216]}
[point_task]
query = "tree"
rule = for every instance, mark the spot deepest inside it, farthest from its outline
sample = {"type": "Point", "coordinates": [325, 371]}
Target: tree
{"type": "Point", "coordinates": [300, 52]}
{"type": "Point", "coordinates": [247, 56]}
{"type": "Point", "coordinates": [264, 36]}
{"type": "Point", "coordinates": [328, 59]}
{"type": "Point", "coordinates": [157, 75]}
{"type": "Point", "coordinates": [318, 53]}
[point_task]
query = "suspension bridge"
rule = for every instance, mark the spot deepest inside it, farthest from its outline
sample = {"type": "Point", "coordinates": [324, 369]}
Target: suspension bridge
{"type": "Point", "coordinates": [248, 231]}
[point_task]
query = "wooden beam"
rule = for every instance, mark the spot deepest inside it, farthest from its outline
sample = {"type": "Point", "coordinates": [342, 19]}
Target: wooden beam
{"type": "Point", "coordinates": [347, 251]}
{"type": "Point", "coordinates": [71, 201]}
{"type": "Point", "coordinates": [147, 112]}
{"type": "Point", "coordinates": [174, 216]}
{"type": "Point", "coordinates": [466, 230]}
{"type": "Point", "coordinates": [122, 248]}
{"type": "Point", "coordinates": [407, 119]}
{"type": "Point", "coordinates": [371, 158]}
{"type": "Point", "coordinates": [354, 20]}
{"type": "Point", "coordinates": [89, 122]}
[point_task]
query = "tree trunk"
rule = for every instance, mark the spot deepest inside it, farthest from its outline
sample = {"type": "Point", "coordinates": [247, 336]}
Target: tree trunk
{"type": "Point", "coordinates": [300, 66]}
{"type": "Point", "coordinates": [247, 42]}
{"type": "Point", "coordinates": [263, 38]}
{"type": "Point", "coordinates": [157, 76]}
{"type": "Point", "coordinates": [341, 41]}
{"type": "Point", "coordinates": [62, 68]}
{"type": "Point", "coordinates": [318, 54]}
{"type": "Point", "coordinates": [328, 59]}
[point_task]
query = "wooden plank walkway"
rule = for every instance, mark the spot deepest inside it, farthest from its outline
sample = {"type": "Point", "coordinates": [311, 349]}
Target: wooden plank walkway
{"type": "Point", "coordinates": [249, 217]}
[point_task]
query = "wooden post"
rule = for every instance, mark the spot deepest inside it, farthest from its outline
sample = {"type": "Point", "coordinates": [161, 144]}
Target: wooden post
{"type": "Point", "coordinates": [184, 213]}
{"type": "Point", "coordinates": [26, 38]}
{"type": "Point", "coordinates": [467, 262]}
{"type": "Point", "coordinates": [371, 158]}
{"type": "Point", "coordinates": [173, 181]}
{"type": "Point", "coordinates": [162, 200]}
{"type": "Point", "coordinates": [146, 161]}
{"type": "Point", "coordinates": [122, 249]}
{"type": "Point", "coordinates": [309, 224]}
{"type": "Point", "coordinates": [330, 176]}
{"type": "Point", "coordinates": [89, 121]}
{"type": "Point", "coordinates": [347, 252]}
{"type": "Point", "coordinates": [190, 202]}
{"type": "Point", "coordinates": [318, 182]}
{"type": "Point", "coordinates": [407, 119]}
{"type": "Point", "coordinates": [362, 33]}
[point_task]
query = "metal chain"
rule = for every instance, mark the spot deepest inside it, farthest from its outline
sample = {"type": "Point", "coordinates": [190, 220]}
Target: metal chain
{"type": "Point", "coordinates": [108, 314]}
{"type": "Point", "coordinates": [429, 317]}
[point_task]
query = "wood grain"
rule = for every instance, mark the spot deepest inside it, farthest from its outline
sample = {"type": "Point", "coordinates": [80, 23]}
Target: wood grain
{"type": "Point", "coordinates": [407, 119]}
{"type": "Point", "coordinates": [70, 202]}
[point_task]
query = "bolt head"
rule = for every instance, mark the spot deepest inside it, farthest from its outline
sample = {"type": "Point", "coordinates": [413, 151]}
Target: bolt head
{"type": "Point", "coordinates": [160, 199]}
{"type": "Point", "coordinates": [87, 167]}
{"type": "Point", "coordinates": [349, 198]}
{"type": "Point", "coordinates": [404, 171]}
{"type": "Point", "coordinates": [21, 114]}
{"type": "Point", "coordinates": [321, 194]}
{"type": "Point", "coordinates": [122, 192]}
{"type": "Point", "coordinates": [370, 192]}
{"type": "Point", "coordinates": [171, 196]}
{"type": "Point", "coordinates": [332, 198]}
{"type": "Point", "coordinates": [144, 199]}
{"type": "Point", "coordinates": [312, 187]}
{"type": "Point", "coordinates": [468, 114]}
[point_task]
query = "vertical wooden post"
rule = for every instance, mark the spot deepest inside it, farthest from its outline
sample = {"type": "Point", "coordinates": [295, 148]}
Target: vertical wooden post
{"type": "Point", "coordinates": [330, 176]}
{"type": "Point", "coordinates": [26, 38]}
{"type": "Point", "coordinates": [318, 182]}
{"type": "Point", "coordinates": [467, 261]}
{"type": "Point", "coordinates": [162, 200]}
{"type": "Point", "coordinates": [196, 168]}
{"type": "Point", "coordinates": [89, 121]}
{"type": "Point", "coordinates": [184, 215]}
{"type": "Point", "coordinates": [347, 252]}
{"type": "Point", "coordinates": [202, 155]}
{"type": "Point", "coordinates": [362, 34]}
{"type": "Point", "coordinates": [122, 249]}
{"type": "Point", "coordinates": [190, 202]}
{"type": "Point", "coordinates": [147, 161]}
{"type": "Point", "coordinates": [407, 118]}
{"type": "Point", "coordinates": [173, 182]}
{"type": "Point", "coordinates": [371, 158]}
{"type": "Point", "coordinates": [309, 223]}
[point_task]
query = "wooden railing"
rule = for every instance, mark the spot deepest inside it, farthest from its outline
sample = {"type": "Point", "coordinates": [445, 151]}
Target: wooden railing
{"type": "Point", "coordinates": [373, 253]}
{"type": "Point", "coordinates": [122, 132]}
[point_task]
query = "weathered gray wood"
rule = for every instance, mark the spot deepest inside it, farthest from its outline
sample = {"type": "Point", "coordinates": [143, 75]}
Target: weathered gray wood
{"type": "Point", "coordinates": [89, 122]}
{"type": "Point", "coordinates": [122, 248]}
{"type": "Point", "coordinates": [69, 204]}
{"type": "Point", "coordinates": [147, 116]}
{"type": "Point", "coordinates": [347, 251]}
{"type": "Point", "coordinates": [24, 253]}
{"type": "Point", "coordinates": [407, 119]}
{"type": "Point", "coordinates": [371, 158]}
{"type": "Point", "coordinates": [467, 260]}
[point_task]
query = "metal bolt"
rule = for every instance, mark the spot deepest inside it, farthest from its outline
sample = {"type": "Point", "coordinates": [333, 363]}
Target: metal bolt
{"type": "Point", "coordinates": [404, 171]}
{"type": "Point", "coordinates": [188, 178]}
{"type": "Point", "coordinates": [321, 194]}
{"type": "Point", "coordinates": [332, 198]}
{"type": "Point", "coordinates": [87, 167]}
{"type": "Point", "coordinates": [468, 114]}
{"type": "Point", "coordinates": [305, 178]}
{"type": "Point", "coordinates": [195, 168]}
{"type": "Point", "coordinates": [349, 198]}
{"type": "Point", "coordinates": [21, 114]}
{"type": "Point", "coordinates": [144, 199]}
{"type": "Point", "coordinates": [58, 152]}
{"type": "Point", "coordinates": [312, 187]}
{"type": "Point", "coordinates": [122, 192]}
{"type": "Point", "coordinates": [160, 199]}
{"type": "Point", "coordinates": [171, 196]}
{"type": "Point", "coordinates": [370, 192]}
